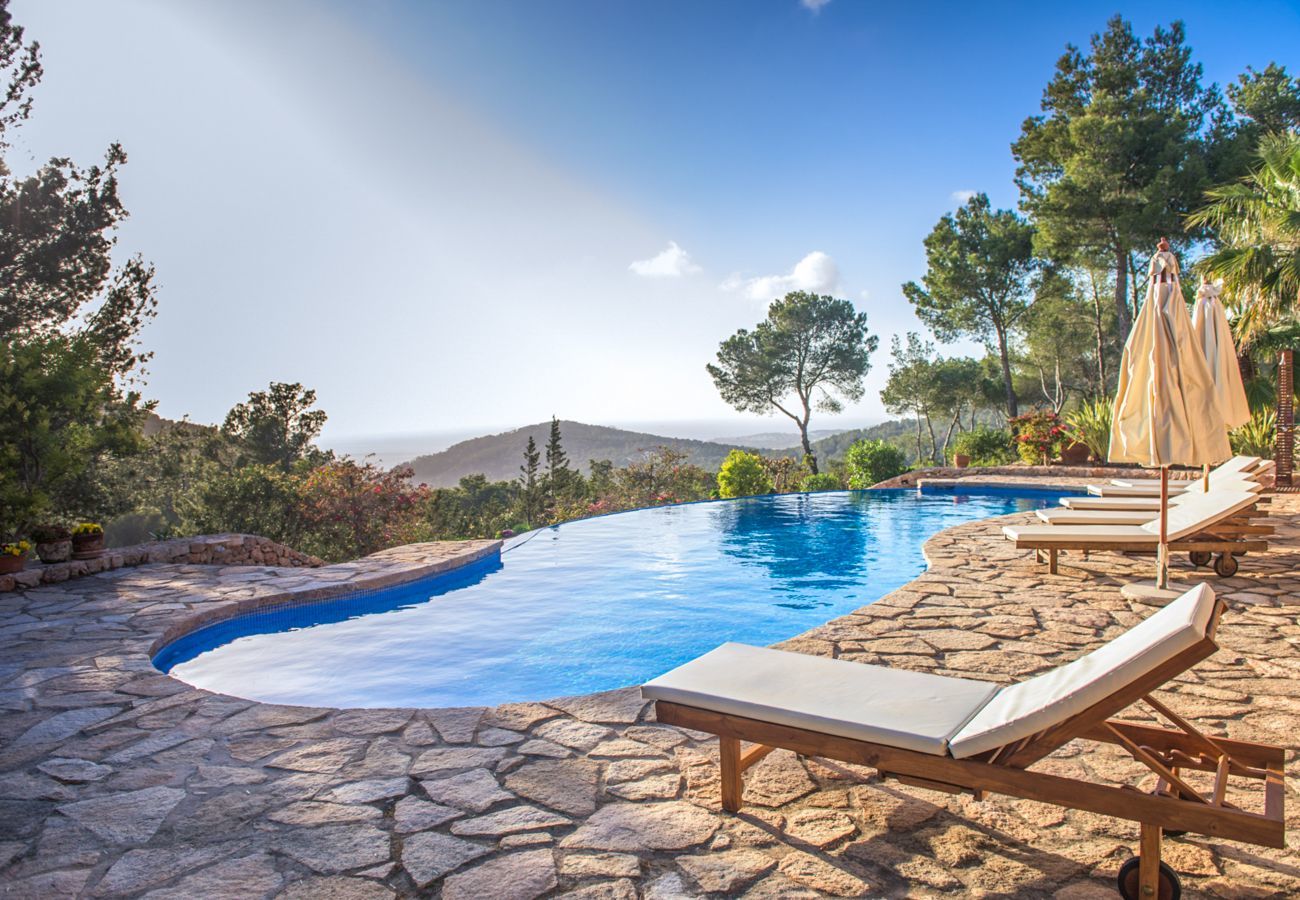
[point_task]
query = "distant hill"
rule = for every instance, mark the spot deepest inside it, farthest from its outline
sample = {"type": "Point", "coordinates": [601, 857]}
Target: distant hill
{"type": "Point", "coordinates": [775, 440]}
{"type": "Point", "coordinates": [835, 446]}
{"type": "Point", "coordinates": [498, 456]}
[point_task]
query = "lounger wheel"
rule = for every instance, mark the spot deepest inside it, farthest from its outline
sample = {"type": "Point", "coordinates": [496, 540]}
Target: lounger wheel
{"type": "Point", "coordinates": [1200, 557]}
{"type": "Point", "coordinates": [1170, 887]}
{"type": "Point", "coordinates": [1226, 565]}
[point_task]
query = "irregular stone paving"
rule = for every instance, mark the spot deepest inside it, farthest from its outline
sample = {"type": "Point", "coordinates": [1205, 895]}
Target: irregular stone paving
{"type": "Point", "coordinates": [116, 780]}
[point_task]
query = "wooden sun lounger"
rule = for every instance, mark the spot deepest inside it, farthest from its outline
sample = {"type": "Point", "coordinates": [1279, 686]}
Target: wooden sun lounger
{"type": "Point", "coordinates": [1215, 522]}
{"type": "Point", "coordinates": [956, 735]}
{"type": "Point", "coordinates": [1152, 504]}
{"type": "Point", "coordinates": [1237, 467]}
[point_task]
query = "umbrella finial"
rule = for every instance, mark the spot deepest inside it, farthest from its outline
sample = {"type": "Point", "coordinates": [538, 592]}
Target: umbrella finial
{"type": "Point", "coordinates": [1163, 245]}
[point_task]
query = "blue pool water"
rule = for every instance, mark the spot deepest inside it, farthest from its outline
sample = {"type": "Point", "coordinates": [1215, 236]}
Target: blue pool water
{"type": "Point", "coordinates": [591, 605]}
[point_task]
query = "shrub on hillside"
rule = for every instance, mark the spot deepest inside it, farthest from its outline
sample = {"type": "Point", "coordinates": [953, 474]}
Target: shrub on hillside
{"type": "Point", "coordinates": [871, 462]}
{"type": "Point", "coordinates": [985, 446]}
{"type": "Point", "coordinates": [822, 481]}
{"type": "Point", "coordinates": [743, 475]}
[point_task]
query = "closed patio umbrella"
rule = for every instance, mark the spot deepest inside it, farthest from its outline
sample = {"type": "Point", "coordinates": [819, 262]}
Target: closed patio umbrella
{"type": "Point", "coordinates": [1214, 336]}
{"type": "Point", "coordinates": [1165, 412]}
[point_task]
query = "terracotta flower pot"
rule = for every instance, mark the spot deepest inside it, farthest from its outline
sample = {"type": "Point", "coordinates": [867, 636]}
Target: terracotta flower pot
{"type": "Point", "coordinates": [960, 460]}
{"type": "Point", "coordinates": [55, 551]}
{"type": "Point", "coordinates": [87, 546]}
{"type": "Point", "coordinates": [10, 564]}
{"type": "Point", "coordinates": [1076, 454]}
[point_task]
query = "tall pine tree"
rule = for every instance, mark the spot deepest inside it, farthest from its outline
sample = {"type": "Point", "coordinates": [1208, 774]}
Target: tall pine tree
{"type": "Point", "coordinates": [528, 486]}
{"type": "Point", "coordinates": [559, 476]}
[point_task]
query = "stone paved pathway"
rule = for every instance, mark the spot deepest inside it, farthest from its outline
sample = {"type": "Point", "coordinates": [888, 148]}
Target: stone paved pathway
{"type": "Point", "coordinates": [116, 780]}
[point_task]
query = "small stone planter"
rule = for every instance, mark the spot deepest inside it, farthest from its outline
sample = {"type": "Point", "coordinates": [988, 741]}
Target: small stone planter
{"type": "Point", "coordinates": [960, 460]}
{"type": "Point", "coordinates": [10, 564]}
{"type": "Point", "coordinates": [55, 551]}
{"type": "Point", "coordinates": [87, 546]}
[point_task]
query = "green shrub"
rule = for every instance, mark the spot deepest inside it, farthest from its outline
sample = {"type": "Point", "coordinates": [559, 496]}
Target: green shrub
{"type": "Point", "coordinates": [1039, 436]}
{"type": "Point", "coordinates": [1090, 424]}
{"type": "Point", "coordinates": [743, 475]}
{"type": "Point", "coordinates": [985, 446]}
{"type": "Point", "coordinates": [1255, 438]}
{"type": "Point", "coordinates": [871, 462]}
{"type": "Point", "coordinates": [822, 481]}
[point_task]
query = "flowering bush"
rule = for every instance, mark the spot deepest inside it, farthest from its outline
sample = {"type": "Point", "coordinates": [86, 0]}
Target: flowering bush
{"type": "Point", "coordinates": [14, 548]}
{"type": "Point", "coordinates": [348, 509]}
{"type": "Point", "coordinates": [1039, 436]}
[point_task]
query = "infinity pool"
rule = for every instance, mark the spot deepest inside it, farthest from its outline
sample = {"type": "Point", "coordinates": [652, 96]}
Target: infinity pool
{"type": "Point", "coordinates": [591, 605]}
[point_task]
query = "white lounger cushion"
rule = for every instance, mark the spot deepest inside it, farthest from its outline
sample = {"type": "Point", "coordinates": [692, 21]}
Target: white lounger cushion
{"type": "Point", "coordinates": [1152, 504]}
{"type": "Point", "coordinates": [1184, 520]}
{"type": "Point", "coordinates": [897, 707]}
{"type": "Point", "coordinates": [1235, 466]}
{"type": "Point", "coordinates": [1027, 708]}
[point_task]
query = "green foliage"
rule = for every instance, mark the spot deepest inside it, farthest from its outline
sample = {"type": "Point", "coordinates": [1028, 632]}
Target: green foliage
{"type": "Point", "coordinates": [986, 446]}
{"type": "Point", "coordinates": [277, 427]}
{"type": "Point", "coordinates": [1257, 220]}
{"type": "Point", "coordinates": [1256, 437]}
{"type": "Point", "coordinates": [976, 283]}
{"type": "Point", "coordinates": [812, 347]}
{"type": "Point", "coordinates": [822, 481]}
{"type": "Point", "coordinates": [1090, 424]}
{"type": "Point", "coordinates": [785, 472]}
{"type": "Point", "coordinates": [530, 488]}
{"type": "Point", "coordinates": [1269, 100]}
{"type": "Point", "coordinates": [871, 462]}
{"type": "Point", "coordinates": [1121, 150]}
{"type": "Point", "coordinates": [742, 475]}
{"type": "Point", "coordinates": [63, 417]}
{"type": "Point", "coordinates": [1038, 435]}
{"type": "Point", "coordinates": [252, 499]}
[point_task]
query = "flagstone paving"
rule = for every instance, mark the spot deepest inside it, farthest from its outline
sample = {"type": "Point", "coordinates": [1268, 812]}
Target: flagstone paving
{"type": "Point", "coordinates": [116, 780]}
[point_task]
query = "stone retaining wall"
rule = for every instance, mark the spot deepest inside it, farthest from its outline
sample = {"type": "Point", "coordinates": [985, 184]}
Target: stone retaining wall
{"type": "Point", "coordinates": [212, 549]}
{"type": "Point", "coordinates": [910, 479]}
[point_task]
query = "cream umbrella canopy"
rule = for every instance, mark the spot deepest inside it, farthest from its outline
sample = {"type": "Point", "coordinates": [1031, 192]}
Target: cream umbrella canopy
{"type": "Point", "coordinates": [1165, 413]}
{"type": "Point", "coordinates": [1210, 325]}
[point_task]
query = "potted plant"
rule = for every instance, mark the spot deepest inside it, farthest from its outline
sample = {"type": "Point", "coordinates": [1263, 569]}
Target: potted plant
{"type": "Point", "coordinates": [53, 543]}
{"type": "Point", "coordinates": [13, 556]}
{"type": "Point", "coordinates": [1075, 453]}
{"type": "Point", "coordinates": [961, 460]}
{"type": "Point", "coordinates": [87, 540]}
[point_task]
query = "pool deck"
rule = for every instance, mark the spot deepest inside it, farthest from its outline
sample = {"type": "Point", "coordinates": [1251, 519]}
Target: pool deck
{"type": "Point", "coordinates": [116, 780]}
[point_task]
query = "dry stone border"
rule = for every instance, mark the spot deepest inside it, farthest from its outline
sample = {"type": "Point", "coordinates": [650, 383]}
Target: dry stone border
{"type": "Point", "coordinates": [118, 781]}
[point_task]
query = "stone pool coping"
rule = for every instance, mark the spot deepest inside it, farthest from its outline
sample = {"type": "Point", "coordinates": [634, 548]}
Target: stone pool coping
{"type": "Point", "coordinates": [116, 780]}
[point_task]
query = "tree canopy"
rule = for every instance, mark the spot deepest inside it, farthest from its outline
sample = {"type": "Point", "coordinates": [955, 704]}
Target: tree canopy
{"type": "Point", "coordinates": [976, 283]}
{"type": "Point", "coordinates": [811, 352]}
{"type": "Point", "coordinates": [1121, 151]}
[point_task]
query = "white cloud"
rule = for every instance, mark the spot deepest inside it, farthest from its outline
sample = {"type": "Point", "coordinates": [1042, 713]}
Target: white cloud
{"type": "Point", "coordinates": [816, 272]}
{"type": "Point", "coordinates": [673, 262]}
{"type": "Point", "coordinates": [814, 5]}
{"type": "Point", "coordinates": [964, 196]}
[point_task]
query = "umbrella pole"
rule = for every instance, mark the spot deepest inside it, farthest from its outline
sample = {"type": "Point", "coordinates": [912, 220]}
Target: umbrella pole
{"type": "Point", "coordinates": [1162, 555]}
{"type": "Point", "coordinates": [1205, 477]}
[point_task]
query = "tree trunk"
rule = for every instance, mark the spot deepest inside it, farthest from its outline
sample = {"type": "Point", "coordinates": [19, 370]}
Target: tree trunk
{"type": "Point", "coordinates": [807, 446]}
{"type": "Point", "coordinates": [934, 447]}
{"type": "Point", "coordinates": [1013, 408]}
{"type": "Point", "coordinates": [947, 438]}
{"type": "Point", "coordinates": [1099, 337]}
{"type": "Point", "coordinates": [1123, 321]}
{"type": "Point", "coordinates": [918, 437]}
{"type": "Point", "coordinates": [1284, 441]}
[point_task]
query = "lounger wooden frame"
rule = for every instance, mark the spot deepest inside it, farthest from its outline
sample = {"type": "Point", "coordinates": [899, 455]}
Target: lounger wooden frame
{"type": "Point", "coordinates": [1174, 804]}
{"type": "Point", "coordinates": [1236, 535]}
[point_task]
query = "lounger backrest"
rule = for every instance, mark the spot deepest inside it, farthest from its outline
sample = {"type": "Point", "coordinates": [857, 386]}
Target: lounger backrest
{"type": "Point", "coordinates": [1201, 511]}
{"type": "Point", "coordinates": [1236, 465]}
{"type": "Point", "coordinates": [1021, 710]}
{"type": "Point", "coordinates": [1225, 483]}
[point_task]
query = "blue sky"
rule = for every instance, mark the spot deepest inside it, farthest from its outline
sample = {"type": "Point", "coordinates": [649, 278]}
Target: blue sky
{"type": "Point", "coordinates": [470, 215]}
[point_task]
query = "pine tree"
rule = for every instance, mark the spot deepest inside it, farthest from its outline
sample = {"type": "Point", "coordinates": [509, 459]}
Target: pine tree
{"type": "Point", "coordinates": [558, 473]}
{"type": "Point", "coordinates": [528, 481]}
